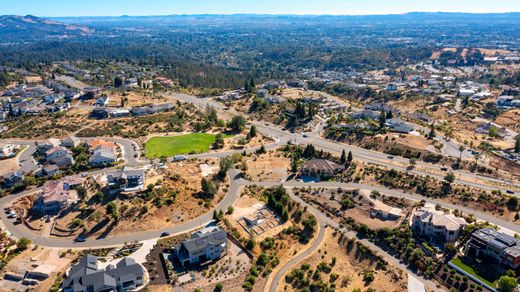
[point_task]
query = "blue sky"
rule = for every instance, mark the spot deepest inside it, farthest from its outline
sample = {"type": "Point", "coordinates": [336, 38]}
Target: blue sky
{"type": "Point", "coordinates": [164, 7]}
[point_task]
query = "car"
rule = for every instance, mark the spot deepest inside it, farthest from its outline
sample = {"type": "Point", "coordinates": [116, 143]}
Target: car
{"type": "Point", "coordinates": [266, 124]}
{"type": "Point", "coordinates": [304, 136]}
{"type": "Point", "coordinates": [510, 192]}
{"type": "Point", "coordinates": [135, 155]}
{"type": "Point", "coordinates": [80, 239]}
{"type": "Point", "coordinates": [390, 157]}
{"type": "Point", "coordinates": [163, 234]}
{"type": "Point", "coordinates": [85, 174]}
{"type": "Point", "coordinates": [444, 168]}
{"type": "Point", "coordinates": [11, 215]}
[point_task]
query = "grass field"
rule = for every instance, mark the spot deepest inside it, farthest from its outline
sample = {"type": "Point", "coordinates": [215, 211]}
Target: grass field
{"type": "Point", "coordinates": [183, 144]}
{"type": "Point", "coordinates": [458, 262]}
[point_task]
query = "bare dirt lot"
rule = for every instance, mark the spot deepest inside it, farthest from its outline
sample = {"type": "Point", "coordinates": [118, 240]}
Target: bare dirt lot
{"type": "Point", "coordinates": [268, 167]}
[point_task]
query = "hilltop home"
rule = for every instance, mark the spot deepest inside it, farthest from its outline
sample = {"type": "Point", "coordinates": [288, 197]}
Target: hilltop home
{"type": "Point", "coordinates": [126, 180]}
{"type": "Point", "coordinates": [488, 243]}
{"type": "Point", "coordinates": [399, 126]}
{"type": "Point", "coordinates": [205, 245]}
{"type": "Point", "coordinates": [58, 194]}
{"type": "Point", "coordinates": [87, 276]}
{"type": "Point", "coordinates": [436, 225]}
{"type": "Point", "coordinates": [13, 179]}
{"type": "Point", "coordinates": [320, 168]}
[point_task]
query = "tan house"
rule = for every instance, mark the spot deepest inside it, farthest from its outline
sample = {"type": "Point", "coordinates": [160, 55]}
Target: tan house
{"type": "Point", "coordinates": [321, 168]}
{"type": "Point", "coordinates": [437, 225]}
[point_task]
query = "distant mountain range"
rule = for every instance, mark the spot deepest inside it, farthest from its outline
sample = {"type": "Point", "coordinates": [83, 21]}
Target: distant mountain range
{"type": "Point", "coordinates": [15, 28]}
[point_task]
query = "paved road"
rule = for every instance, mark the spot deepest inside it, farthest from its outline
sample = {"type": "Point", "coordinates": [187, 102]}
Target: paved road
{"type": "Point", "coordinates": [20, 230]}
{"type": "Point", "coordinates": [25, 159]}
{"type": "Point", "coordinates": [324, 220]}
{"type": "Point", "coordinates": [364, 155]}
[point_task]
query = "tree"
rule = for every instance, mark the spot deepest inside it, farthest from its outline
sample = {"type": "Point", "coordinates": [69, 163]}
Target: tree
{"type": "Point", "coordinates": [250, 245]}
{"type": "Point", "coordinates": [218, 288]}
{"type": "Point", "coordinates": [219, 141]}
{"type": "Point", "coordinates": [349, 157]}
{"type": "Point", "coordinates": [343, 158]}
{"type": "Point", "coordinates": [99, 197]}
{"type": "Point", "coordinates": [237, 123]}
{"type": "Point", "coordinates": [118, 81]}
{"type": "Point", "coordinates": [252, 131]}
{"type": "Point", "coordinates": [82, 192]}
{"type": "Point", "coordinates": [285, 215]}
{"type": "Point", "coordinates": [23, 243]}
{"type": "Point", "coordinates": [512, 203]}
{"type": "Point", "coordinates": [208, 188]}
{"type": "Point", "coordinates": [382, 119]}
{"type": "Point", "coordinates": [431, 135]}
{"type": "Point", "coordinates": [111, 209]}
{"type": "Point", "coordinates": [225, 165]}
{"type": "Point", "coordinates": [507, 283]}
{"type": "Point", "coordinates": [294, 165]}
{"type": "Point", "coordinates": [450, 177]}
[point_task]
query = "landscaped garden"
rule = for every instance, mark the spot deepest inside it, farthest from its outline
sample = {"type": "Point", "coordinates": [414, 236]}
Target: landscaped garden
{"type": "Point", "coordinates": [488, 277]}
{"type": "Point", "coordinates": [184, 144]}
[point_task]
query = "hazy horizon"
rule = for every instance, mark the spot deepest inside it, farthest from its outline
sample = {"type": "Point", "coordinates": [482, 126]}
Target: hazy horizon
{"type": "Point", "coordinates": [115, 8]}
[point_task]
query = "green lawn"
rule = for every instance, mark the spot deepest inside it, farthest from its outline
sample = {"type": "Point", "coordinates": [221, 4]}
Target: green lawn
{"type": "Point", "coordinates": [458, 262]}
{"type": "Point", "coordinates": [183, 144]}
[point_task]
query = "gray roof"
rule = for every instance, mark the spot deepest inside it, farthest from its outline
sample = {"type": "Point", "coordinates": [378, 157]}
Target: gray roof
{"type": "Point", "coordinates": [200, 240]}
{"type": "Point", "coordinates": [86, 273]}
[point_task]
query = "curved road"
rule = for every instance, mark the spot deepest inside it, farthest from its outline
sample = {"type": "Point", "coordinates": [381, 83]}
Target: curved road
{"type": "Point", "coordinates": [20, 230]}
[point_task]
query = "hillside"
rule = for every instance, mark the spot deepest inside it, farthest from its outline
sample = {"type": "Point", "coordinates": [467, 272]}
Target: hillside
{"type": "Point", "coordinates": [15, 29]}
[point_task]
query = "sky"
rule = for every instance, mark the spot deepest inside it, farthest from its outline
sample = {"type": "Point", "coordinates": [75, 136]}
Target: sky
{"type": "Point", "coordinates": [166, 7]}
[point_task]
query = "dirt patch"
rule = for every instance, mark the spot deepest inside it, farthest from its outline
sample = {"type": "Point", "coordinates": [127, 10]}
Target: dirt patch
{"type": "Point", "coordinates": [268, 167]}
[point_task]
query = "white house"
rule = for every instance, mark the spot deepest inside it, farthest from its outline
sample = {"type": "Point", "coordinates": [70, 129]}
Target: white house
{"type": "Point", "coordinates": [437, 225]}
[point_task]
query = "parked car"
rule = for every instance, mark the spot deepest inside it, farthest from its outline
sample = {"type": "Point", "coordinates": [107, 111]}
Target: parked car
{"type": "Point", "coordinates": [80, 239]}
{"type": "Point", "coordinates": [510, 192]}
{"type": "Point", "coordinates": [11, 215]}
{"type": "Point", "coordinates": [304, 135]}
{"type": "Point", "coordinates": [444, 168]}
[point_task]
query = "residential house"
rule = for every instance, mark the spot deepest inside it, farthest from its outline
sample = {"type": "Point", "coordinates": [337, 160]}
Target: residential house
{"type": "Point", "coordinates": [366, 114]}
{"type": "Point", "coordinates": [7, 150]}
{"type": "Point", "coordinates": [102, 152]}
{"type": "Point", "coordinates": [47, 171]}
{"type": "Point", "coordinates": [320, 168]}
{"type": "Point", "coordinates": [48, 144]}
{"type": "Point", "coordinates": [87, 276]}
{"type": "Point", "coordinates": [60, 156]}
{"type": "Point", "coordinates": [71, 142]}
{"type": "Point", "coordinates": [207, 244]}
{"type": "Point", "coordinates": [485, 128]}
{"type": "Point", "coordinates": [102, 157]}
{"type": "Point", "coordinates": [13, 179]}
{"type": "Point", "coordinates": [437, 225]}
{"type": "Point", "coordinates": [126, 180]}
{"type": "Point", "coordinates": [102, 101]}
{"type": "Point", "coordinates": [100, 113]}
{"type": "Point", "coordinates": [398, 125]}
{"type": "Point", "coordinates": [490, 244]}
{"type": "Point", "coordinates": [384, 211]}
{"type": "Point", "coordinates": [58, 194]}
{"type": "Point", "coordinates": [508, 101]}
{"type": "Point", "coordinates": [379, 107]}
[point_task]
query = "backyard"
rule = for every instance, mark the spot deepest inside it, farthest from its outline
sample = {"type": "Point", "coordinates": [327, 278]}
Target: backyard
{"type": "Point", "coordinates": [184, 144]}
{"type": "Point", "coordinates": [481, 273]}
